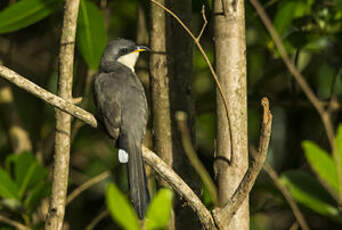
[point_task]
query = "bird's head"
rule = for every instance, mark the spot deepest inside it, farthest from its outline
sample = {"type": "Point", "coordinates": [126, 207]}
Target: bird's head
{"type": "Point", "coordinates": [124, 51]}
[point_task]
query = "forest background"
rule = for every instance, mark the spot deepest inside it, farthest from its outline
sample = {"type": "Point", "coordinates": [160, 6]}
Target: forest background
{"type": "Point", "coordinates": [301, 186]}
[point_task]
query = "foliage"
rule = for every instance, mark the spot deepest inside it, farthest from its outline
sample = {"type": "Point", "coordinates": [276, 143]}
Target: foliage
{"type": "Point", "coordinates": [25, 13]}
{"type": "Point", "coordinates": [307, 190]}
{"type": "Point", "coordinates": [122, 212]}
{"type": "Point", "coordinates": [311, 31]}
{"type": "Point", "coordinates": [91, 33]}
{"type": "Point", "coordinates": [23, 184]}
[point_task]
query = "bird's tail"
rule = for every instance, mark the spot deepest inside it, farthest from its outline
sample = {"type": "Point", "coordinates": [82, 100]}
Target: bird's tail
{"type": "Point", "coordinates": [137, 180]}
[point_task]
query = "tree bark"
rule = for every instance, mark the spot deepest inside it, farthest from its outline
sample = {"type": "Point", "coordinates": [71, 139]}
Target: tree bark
{"type": "Point", "coordinates": [180, 68]}
{"type": "Point", "coordinates": [231, 160]}
{"type": "Point", "coordinates": [159, 87]}
{"type": "Point", "coordinates": [56, 211]}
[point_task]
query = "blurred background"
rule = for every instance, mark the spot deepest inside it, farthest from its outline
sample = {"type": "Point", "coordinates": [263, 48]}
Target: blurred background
{"type": "Point", "coordinates": [312, 34]}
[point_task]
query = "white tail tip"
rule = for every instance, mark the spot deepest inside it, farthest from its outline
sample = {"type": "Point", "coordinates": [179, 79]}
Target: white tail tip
{"type": "Point", "coordinates": [123, 156]}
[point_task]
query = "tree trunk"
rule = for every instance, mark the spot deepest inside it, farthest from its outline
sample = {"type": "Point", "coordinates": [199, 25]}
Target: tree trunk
{"type": "Point", "coordinates": [231, 160]}
{"type": "Point", "coordinates": [180, 69]}
{"type": "Point", "coordinates": [60, 175]}
{"type": "Point", "coordinates": [159, 86]}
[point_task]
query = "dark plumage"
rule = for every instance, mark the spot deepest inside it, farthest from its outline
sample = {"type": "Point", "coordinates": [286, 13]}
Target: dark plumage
{"type": "Point", "coordinates": [122, 107]}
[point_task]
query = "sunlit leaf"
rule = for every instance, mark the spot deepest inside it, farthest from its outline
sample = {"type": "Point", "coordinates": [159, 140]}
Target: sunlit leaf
{"type": "Point", "coordinates": [91, 33]}
{"type": "Point", "coordinates": [158, 214]}
{"type": "Point", "coordinates": [338, 141]}
{"type": "Point", "coordinates": [26, 12]}
{"type": "Point", "coordinates": [120, 208]}
{"type": "Point", "coordinates": [322, 163]}
{"type": "Point", "coordinates": [309, 192]}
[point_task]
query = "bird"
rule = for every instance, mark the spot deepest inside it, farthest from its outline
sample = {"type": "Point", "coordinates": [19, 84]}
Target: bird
{"type": "Point", "coordinates": [121, 105]}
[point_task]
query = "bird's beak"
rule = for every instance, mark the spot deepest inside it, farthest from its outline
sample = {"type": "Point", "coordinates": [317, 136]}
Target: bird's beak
{"type": "Point", "coordinates": [141, 49]}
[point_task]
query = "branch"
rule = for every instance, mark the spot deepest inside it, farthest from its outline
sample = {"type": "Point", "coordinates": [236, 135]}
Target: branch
{"type": "Point", "coordinates": [87, 185]}
{"type": "Point", "coordinates": [48, 97]}
{"type": "Point", "coordinates": [60, 176]}
{"type": "Point", "coordinates": [211, 68]}
{"type": "Point", "coordinates": [151, 158]}
{"type": "Point", "coordinates": [181, 118]}
{"type": "Point", "coordinates": [223, 216]}
{"type": "Point", "coordinates": [97, 220]}
{"type": "Point", "coordinates": [179, 186]}
{"type": "Point", "coordinates": [316, 102]}
{"type": "Point", "coordinates": [293, 205]}
{"type": "Point", "coordinates": [13, 223]}
{"type": "Point", "coordinates": [204, 24]}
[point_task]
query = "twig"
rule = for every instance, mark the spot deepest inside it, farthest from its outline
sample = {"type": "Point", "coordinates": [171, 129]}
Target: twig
{"type": "Point", "coordinates": [318, 104]}
{"type": "Point", "coordinates": [60, 175]}
{"type": "Point", "coordinates": [179, 186]}
{"type": "Point", "coordinates": [223, 216]}
{"type": "Point", "coordinates": [204, 24]}
{"type": "Point", "coordinates": [293, 205]}
{"type": "Point", "coordinates": [48, 97]}
{"type": "Point", "coordinates": [87, 185]}
{"type": "Point", "coordinates": [13, 223]}
{"type": "Point", "coordinates": [193, 158]}
{"type": "Point", "coordinates": [211, 68]}
{"type": "Point", "coordinates": [294, 226]}
{"type": "Point", "coordinates": [97, 219]}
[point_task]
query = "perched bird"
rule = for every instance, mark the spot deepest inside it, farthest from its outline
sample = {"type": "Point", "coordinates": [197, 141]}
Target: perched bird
{"type": "Point", "coordinates": [122, 109]}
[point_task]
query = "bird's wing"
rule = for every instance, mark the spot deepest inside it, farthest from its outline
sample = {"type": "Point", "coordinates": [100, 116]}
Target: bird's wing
{"type": "Point", "coordinates": [107, 99]}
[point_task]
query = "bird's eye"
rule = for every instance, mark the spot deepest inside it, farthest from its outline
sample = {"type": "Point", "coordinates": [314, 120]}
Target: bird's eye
{"type": "Point", "coordinates": [124, 51]}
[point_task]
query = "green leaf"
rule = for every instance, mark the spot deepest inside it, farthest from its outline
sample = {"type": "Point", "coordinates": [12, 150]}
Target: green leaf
{"type": "Point", "coordinates": [338, 141]}
{"type": "Point", "coordinates": [91, 33]}
{"type": "Point", "coordinates": [35, 195]}
{"type": "Point", "coordinates": [158, 214]}
{"type": "Point", "coordinates": [120, 208]}
{"type": "Point", "coordinates": [307, 190]}
{"type": "Point", "coordinates": [322, 163]}
{"type": "Point", "coordinates": [8, 188]}
{"type": "Point", "coordinates": [287, 11]}
{"type": "Point", "coordinates": [28, 171]}
{"type": "Point", "coordinates": [26, 12]}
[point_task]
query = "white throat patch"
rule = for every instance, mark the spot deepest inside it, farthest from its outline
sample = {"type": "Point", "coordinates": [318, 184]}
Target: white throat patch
{"type": "Point", "coordinates": [129, 60]}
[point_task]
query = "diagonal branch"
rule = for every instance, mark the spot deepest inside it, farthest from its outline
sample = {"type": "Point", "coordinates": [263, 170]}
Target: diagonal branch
{"type": "Point", "coordinates": [86, 185]}
{"type": "Point", "coordinates": [151, 158]}
{"type": "Point", "coordinates": [293, 205]}
{"type": "Point", "coordinates": [316, 102]}
{"type": "Point", "coordinates": [179, 186]}
{"type": "Point", "coordinates": [223, 216]}
{"type": "Point", "coordinates": [13, 223]}
{"type": "Point", "coordinates": [48, 97]}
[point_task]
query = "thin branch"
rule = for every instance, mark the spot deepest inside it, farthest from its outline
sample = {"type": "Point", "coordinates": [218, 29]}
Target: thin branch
{"type": "Point", "coordinates": [87, 185]}
{"type": "Point", "coordinates": [316, 102]}
{"type": "Point", "coordinates": [294, 226]}
{"type": "Point", "coordinates": [293, 205]}
{"type": "Point", "coordinates": [46, 96]}
{"type": "Point", "coordinates": [97, 220]}
{"type": "Point", "coordinates": [13, 223]}
{"type": "Point", "coordinates": [179, 186]}
{"type": "Point", "coordinates": [211, 68]}
{"type": "Point", "coordinates": [223, 216]}
{"type": "Point", "coordinates": [193, 158]}
{"type": "Point", "coordinates": [204, 24]}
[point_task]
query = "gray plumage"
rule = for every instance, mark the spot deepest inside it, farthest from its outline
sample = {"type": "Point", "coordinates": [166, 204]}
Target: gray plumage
{"type": "Point", "coordinates": [122, 108]}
